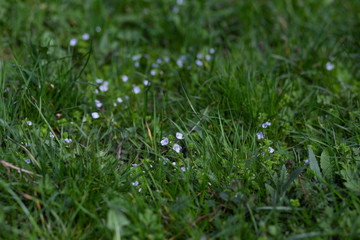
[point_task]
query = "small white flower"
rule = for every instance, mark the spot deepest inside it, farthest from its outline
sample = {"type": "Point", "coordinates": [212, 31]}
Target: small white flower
{"type": "Point", "coordinates": [67, 140]}
{"type": "Point", "coordinates": [115, 104]}
{"type": "Point", "coordinates": [84, 119]}
{"type": "Point", "coordinates": [260, 135]}
{"type": "Point", "coordinates": [98, 29]}
{"type": "Point", "coordinates": [165, 141]}
{"type": "Point", "coordinates": [104, 87]}
{"type": "Point", "coordinates": [119, 100]}
{"type": "Point", "coordinates": [95, 115]}
{"type": "Point", "coordinates": [177, 148]}
{"type": "Point", "coordinates": [151, 166]}
{"type": "Point", "coordinates": [146, 83]}
{"type": "Point", "coordinates": [271, 150]}
{"type": "Point", "coordinates": [86, 36]}
{"type": "Point", "coordinates": [182, 169]}
{"type": "Point", "coordinates": [153, 72]}
{"type": "Point", "coordinates": [73, 42]}
{"type": "Point", "coordinates": [174, 163]}
{"type": "Point", "coordinates": [99, 80]}
{"type": "Point", "coordinates": [208, 57]}
{"type": "Point", "coordinates": [329, 66]}
{"type": "Point", "coordinates": [52, 135]}
{"type": "Point", "coordinates": [135, 183]}
{"type": "Point", "coordinates": [27, 161]}
{"type": "Point", "coordinates": [98, 103]}
{"type": "Point", "coordinates": [265, 125]}
{"type": "Point", "coordinates": [199, 63]}
{"type": "Point", "coordinates": [137, 64]}
{"type": "Point", "coordinates": [125, 78]}
{"type": "Point", "coordinates": [212, 51]}
{"type": "Point", "coordinates": [29, 123]}
{"type": "Point", "coordinates": [179, 135]}
{"type": "Point", "coordinates": [209, 184]}
{"type": "Point", "coordinates": [179, 63]}
{"type": "Point", "coordinates": [134, 165]}
{"type": "Point", "coordinates": [199, 56]}
{"type": "Point", "coordinates": [139, 190]}
{"type": "Point", "coordinates": [136, 89]}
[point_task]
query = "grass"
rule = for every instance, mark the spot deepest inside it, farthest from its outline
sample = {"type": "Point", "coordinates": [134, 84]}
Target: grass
{"type": "Point", "coordinates": [221, 70]}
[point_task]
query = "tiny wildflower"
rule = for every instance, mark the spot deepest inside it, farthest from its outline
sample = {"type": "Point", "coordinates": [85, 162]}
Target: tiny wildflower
{"type": "Point", "coordinates": [271, 150]}
{"type": "Point", "coordinates": [95, 115]}
{"type": "Point", "coordinates": [153, 72]}
{"type": "Point", "coordinates": [137, 64]}
{"type": "Point", "coordinates": [212, 51]}
{"type": "Point", "coordinates": [98, 29]}
{"type": "Point", "coordinates": [136, 89]}
{"type": "Point", "coordinates": [179, 63]}
{"type": "Point", "coordinates": [265, 125]}
{"type": "Point", "coordinates": [73, 42]}
{"type": "Point", "coordinates": [139, 190]}
{"type": "Point", "coordinates": [99, 80]}
{"type": "Point", "coordinates": [199, 56]}
{"type": "Point", "coordinates": [146, 83]}
{"type": "Point", "coordinates": [175, 9]}
{"type": "Point", "coordinates": [263, 153]}
{"type": "Point", "coordinates": [115, 104]}
{"type": "Point", "coordinates": [119, 100]}
{"type": "Point", "coordinates": [159, 61]}
{"type": "Point", "coordinates": [174, 163]}
{"type": "Point", "coordinates": [260, 135]}
{"type": "Point", "coordinates": [29, 123]}
{"type": "Point", "coordinates": [52, 135]}
{"type": "Point", "coordinates": [180, 2]}
{"type": "Point", "coordinates": [125, 78]}
{"type": "Point", "coordinates": [85, 36]}
{"type": "Point", "coordinates": [209, 184]}
{"type": "Point", "coordinates": [134, 165]}
{"type": "Point", "coordinates": [329, 66]}
{"type": "Point", "coordinates": [84, 119]}
{"type": "Point", "coordinates": [151, 166]}
{"type": "Point", "coordinates": [208, 57]}
{"type": "Point", "coordinates": [165, 141]}
{"type": "Point", "coordinates": [68, 140]}
{"type": "Point", "coordinates": [179, 135]}
{"type": "Point", "coordinates": [98, 103]}
{"type": "Point", "coordinates": [177, 148]}
{"type": "Point", "coordinates": [136, 57]}
{"type": "Point", "coordinates": [135, 183]}
{"type": "Point", "coordinates": [182, 169]}
{"type": "Point", "coordinates": [27, 161]}
{"type": "Point", "coordinates": [167, 59]}
{"type": "Point", "coordinates": [199, 63]}
{"type": "Point", "coordinates": [127, 97]}
{"type": "Point", "coordinates": [306, 161]}
{"type": "Point", "coordinates": [104, 87]}
{"type": "Point", "coordinates": [96, 91]}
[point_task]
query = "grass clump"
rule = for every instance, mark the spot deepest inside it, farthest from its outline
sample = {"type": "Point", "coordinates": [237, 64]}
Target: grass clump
{"type": "Point", "coordinates": [179, 120]}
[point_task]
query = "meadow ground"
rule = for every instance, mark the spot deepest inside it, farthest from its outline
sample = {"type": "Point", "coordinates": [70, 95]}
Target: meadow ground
{"type": "Point", "coordinates": [180, 119]}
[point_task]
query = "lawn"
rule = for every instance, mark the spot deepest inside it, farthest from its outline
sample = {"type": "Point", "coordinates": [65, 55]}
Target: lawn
{"type": "Point", "coordinates": [180, 119]}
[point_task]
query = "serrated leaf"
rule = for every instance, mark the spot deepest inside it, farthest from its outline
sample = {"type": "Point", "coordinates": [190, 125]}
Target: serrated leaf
{"type": "Point", "coordinates": [313, 163]}
{"type": "Point", "coordinates": [326, 166]}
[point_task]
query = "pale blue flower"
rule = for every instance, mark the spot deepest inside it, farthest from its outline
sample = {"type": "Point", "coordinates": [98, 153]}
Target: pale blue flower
{"type": "Point", "coordinates": [212, 51]}
{"type": "Point", "coordinates": [265, 125]}
{"type": "Point", "coordinates": [136, 89]}
{"type": "Point", "coordinates": [177, 148]}
{"type": "Point", "coordinates": [98, 103]}
{"type": "Point", "coordinates": [68, 140]}
{"type": "Point", "coordinates": [73, 42]}
{"type": "Point", "coordinates": [174, 163]}
{"type": "Point", "coordinates": [165, 141]}
{"type": "Point", "coordinates": [119, 100]}
{"type": "Point", "coordinates": [136, 183]}
{"type": "Point", "coordinates": [182, 169]}
{"type": "Point", "coordinates": [179, 135]}
{"type": "Point", "coordinates": [95, 115]}
{"type": "Point", "coordinates": [125, 78]}
{"type": "Point", "coordinates": [199, 63]}
{"type": "Point", "coordinates": [271, 150]}
{"type": "Point", "coordinates": [134, 165]}
{"type": "Point", "coordinates": [260, 135]}
{"type": "Point", "coordinates": [306, 161]}
{"type": "Point", "coordinates": [86, 36]}
{"type": "Point", "coordinates": [329, 66]}
{"type": "Point", "coordinates": [29, 123]}
{"type": "Point", "coordinates": [153, 72]}
{"type": "Point", "coordinates": [27, 161]}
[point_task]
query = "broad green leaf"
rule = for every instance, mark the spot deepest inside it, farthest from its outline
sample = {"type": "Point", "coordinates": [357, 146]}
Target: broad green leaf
{"type": "Point", "coordinates": [313, 163]}
{"type": "Point", "coordinates": [326, 166]}
{"type": "Point", "coordinates": [116, 221]}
